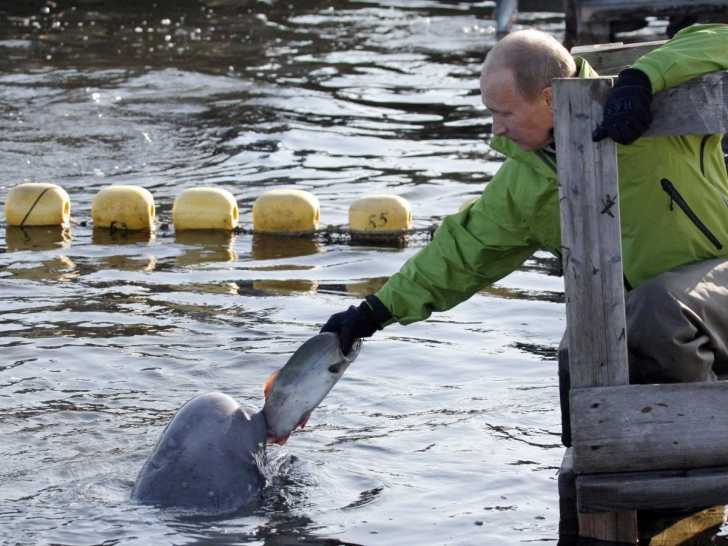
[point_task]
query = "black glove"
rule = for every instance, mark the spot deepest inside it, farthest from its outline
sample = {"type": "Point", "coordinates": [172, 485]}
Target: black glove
{"type": "Point", "coordinates": [627, 110]}
{"type": "Point", "coordinates": [357, 322]}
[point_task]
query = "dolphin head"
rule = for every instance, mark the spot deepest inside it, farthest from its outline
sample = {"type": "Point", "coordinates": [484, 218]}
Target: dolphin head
{"type": "Point", "coordinates": [208, 459]}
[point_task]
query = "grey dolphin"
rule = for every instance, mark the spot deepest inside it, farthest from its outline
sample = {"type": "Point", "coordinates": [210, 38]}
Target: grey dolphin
{"type": "Point", "coordinates": [209, 458]}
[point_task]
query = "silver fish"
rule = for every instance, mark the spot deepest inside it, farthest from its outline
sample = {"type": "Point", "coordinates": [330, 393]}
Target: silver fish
{"type": "Point", "coordinates": [294, 391]}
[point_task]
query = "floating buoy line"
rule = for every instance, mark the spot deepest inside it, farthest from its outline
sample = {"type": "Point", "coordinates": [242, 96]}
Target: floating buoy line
{"type": "Point", "coordinates": [342, 234]}
{"type": "Point", "coordinates": [278, 213]}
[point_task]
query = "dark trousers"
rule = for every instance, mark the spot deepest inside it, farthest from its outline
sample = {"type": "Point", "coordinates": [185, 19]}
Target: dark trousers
{"type": "Point", "coordinates": [677, 331]}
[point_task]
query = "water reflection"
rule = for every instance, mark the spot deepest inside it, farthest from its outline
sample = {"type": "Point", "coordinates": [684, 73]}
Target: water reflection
{"type": "Point", "coordinates": [286, 287]}
{"type": "Point", "coordinates": [364, 288]}
{"type": "Point", "coordinates": [56, 269]}
{"type": "Point", "coordinates": [280, 247]}
{"type": "Point", "coordinates": [37, 238]}
{"type": "Point", "coordinates": [202, 246]}
{"type": "Point", "coordinates": [105, 236]}
{"type": "Point", "coordinates": [128, 263]}
{"type": "Point", "coordinates": [272, 247]}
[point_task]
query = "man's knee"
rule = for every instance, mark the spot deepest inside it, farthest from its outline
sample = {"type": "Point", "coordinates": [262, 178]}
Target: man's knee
{"type": "Point", "coordinates": [667, 333]}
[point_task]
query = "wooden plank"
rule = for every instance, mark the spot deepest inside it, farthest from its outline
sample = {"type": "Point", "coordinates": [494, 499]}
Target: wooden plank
{"type": "Point", "coordinates": [698, 107]}
{"type": "Point", "coordinates": [580, 50]}
{"type": "Point", "coordinates": [609, 59]}
{"type": "Point", "coordinates": [592, 252]}
{"type": "Point", "coordinates": [610, 527]}
{"type": "Point", "coordinates": [652, 490]}
{"type": "Point", "coordinates": [649, 427]}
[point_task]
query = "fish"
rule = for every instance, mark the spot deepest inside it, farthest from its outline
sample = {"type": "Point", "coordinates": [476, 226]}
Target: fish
{"type": "Point", "coordinates": [209, 459]}
{"type": "Point", "coordinates": [505, 14]}
{"type": "Point", "coordinates": [294, 391]}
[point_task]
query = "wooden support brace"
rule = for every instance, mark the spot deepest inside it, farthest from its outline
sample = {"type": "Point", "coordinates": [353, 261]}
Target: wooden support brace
{"type": "Point", "coordinates": [610, 526]}
{"type": "Point", "coordinates": [660, 490]}
{"type": "Point", "coordinates": [650, 427]}
{"type": "Point", "coordinates": [609, 59]}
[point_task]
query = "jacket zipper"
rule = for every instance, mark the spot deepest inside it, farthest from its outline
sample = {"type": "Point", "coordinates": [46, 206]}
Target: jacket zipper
{"type": "Point", "coordinates": [677, 198]}
{"type": "Point", "coordinates": [702, 153]}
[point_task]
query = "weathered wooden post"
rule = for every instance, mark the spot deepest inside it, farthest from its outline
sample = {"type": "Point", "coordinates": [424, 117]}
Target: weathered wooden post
{"type": "Point", "coordinates": [592, 260]}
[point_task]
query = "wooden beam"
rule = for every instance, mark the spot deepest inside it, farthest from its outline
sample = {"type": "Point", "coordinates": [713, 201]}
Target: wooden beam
{"type": "Point", "coordinates": [698, 107]}
{"type": "Point", "coordinates": [609, 59]}
{"type": "Point", "coordinates": [590, 233]}
{"type": "Point", "coordinates": [610, 526]}
{"type": "Point", "coordinates": [664, 490]}
{"type": "Point", "coordinates": [592, 258]}
{"type": "Point", "coordinates": [649, 427]}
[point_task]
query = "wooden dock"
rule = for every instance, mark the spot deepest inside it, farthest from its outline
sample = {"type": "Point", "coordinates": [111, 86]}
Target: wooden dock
{"type": "Point", "coordinates": [596, 21]}
{"type": "Point", "coordinates": [635, 447]}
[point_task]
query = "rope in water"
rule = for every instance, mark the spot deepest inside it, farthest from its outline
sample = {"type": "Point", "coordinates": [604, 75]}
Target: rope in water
{"type": "Point", "coordinates": [333, 233]}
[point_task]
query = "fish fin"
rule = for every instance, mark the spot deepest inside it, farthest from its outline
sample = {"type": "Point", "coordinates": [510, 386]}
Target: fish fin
{"type": "Point", "coordinates": [305, 419]}
{"type": "Point", "coordinates": [268, 385]}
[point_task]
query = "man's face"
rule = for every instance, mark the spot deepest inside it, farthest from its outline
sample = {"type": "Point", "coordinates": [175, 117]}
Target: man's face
{"type": "Point", "coordinates": [527, 123]}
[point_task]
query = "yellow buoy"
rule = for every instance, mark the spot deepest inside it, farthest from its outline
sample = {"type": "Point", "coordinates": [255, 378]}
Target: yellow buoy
{"type": "Point", "coordinates": [467, 203]}
{"type": "Point", "coordinates": [380, 213]}
{"type": "Point", "coordinates": [205, 208]}
{"type": "Point", "coordinates": [37, 204]}
{"type": "Point", "coordinates": [124, 208]}
{"type": "Point", "coordinates": [286, 211]}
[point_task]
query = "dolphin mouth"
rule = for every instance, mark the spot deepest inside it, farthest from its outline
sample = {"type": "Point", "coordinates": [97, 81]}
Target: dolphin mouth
{"type": "Point", "coordinates": [271, 436]}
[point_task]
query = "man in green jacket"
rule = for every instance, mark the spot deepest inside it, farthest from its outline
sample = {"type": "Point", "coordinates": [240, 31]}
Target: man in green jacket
{"type": "Point", "coordinates": [673, 200]}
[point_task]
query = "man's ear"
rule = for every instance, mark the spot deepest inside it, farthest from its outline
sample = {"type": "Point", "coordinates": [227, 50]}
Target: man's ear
{"type": "Point", "coordinates": [547, 96]}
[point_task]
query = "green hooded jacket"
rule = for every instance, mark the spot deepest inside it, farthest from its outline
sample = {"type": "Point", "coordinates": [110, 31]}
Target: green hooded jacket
{"type": "Point", "coordinates": [663, 226]}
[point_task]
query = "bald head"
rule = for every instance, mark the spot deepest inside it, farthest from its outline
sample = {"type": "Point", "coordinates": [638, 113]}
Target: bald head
{"type": "Point", "coordinates": [533, 57]}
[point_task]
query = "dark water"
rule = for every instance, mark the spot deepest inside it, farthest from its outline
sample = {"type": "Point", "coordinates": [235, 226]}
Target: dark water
{"type": "Point", "coordinates": [443, 432]}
